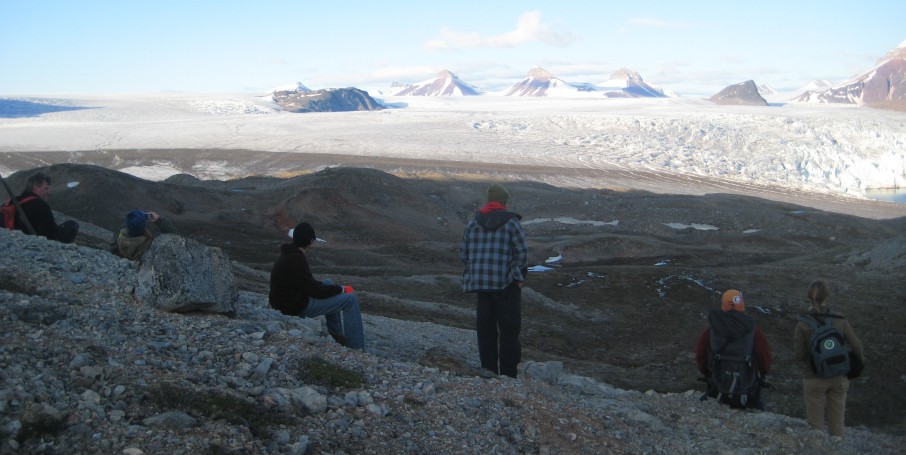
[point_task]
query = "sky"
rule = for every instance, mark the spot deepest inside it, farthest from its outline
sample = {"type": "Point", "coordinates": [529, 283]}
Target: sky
{"type": "Point", "coordinates": [226, 46]}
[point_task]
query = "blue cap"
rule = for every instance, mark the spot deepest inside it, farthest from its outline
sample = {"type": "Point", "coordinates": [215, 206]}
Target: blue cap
{"type": "Point", "coordinates": [136, 221]}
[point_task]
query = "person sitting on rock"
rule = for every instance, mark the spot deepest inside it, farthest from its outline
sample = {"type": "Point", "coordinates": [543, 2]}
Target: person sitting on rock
{"type": "Point", "coordinates": [136, 236]}
{"type": "Point", "coordinates": [35, 207]}
{"type": "Point", "coordinates": [294, 291]}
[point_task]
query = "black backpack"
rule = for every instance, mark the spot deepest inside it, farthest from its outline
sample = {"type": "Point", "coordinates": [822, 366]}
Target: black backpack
{"type": "Point", "coordinates": [827, 347]}
{"type": "Point", "coordinates": [734, 378]}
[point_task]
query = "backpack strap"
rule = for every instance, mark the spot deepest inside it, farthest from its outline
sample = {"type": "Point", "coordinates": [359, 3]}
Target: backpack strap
{"type": "Point", "coordinates": [29, 229]}
{"type": "Point", "coordinates": [24, 200]}
{"type": "Point", "coordinates": [811, 322]}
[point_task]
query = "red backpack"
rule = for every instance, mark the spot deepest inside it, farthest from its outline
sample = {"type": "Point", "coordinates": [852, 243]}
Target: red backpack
{"type": "Point", "coordinates": [8, 212]}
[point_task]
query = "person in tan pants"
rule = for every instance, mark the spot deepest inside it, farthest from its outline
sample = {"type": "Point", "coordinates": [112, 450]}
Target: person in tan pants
{"type": "Point", "coordinates": [824, 396]}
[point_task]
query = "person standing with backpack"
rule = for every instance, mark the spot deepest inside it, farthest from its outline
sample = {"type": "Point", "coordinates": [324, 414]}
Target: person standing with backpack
{"type": "Point", "coordinates": [733, 355]}
{"type": "Point", "coordinates": [824, 396]}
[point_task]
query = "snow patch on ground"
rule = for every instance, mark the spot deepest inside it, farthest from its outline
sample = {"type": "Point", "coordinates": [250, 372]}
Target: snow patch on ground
{"type": "Point", "coordinates": [568, 220]}
{"type": "Point", "coordinates": [700, 227]}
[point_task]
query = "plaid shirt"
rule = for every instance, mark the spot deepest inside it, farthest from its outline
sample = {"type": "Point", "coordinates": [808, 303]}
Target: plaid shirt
{"type": "Point", "coordinates": [494, 252]}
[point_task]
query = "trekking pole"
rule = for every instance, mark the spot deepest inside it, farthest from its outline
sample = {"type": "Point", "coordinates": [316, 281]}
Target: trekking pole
{"type": "Point", "coordinates": [28, 228]}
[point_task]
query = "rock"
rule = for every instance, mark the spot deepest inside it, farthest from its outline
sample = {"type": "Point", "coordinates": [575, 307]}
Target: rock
{"type": "Point", "coordinates": [180, 275]}
{"type": "Point", "coordinates": [548, 372]}
{"type": "Point", "coordinates": [744, 93]}
{"type": "Point", "coordinates": [327, 100]}
{"type": "Point", "coordinates": [313, 401]}
{"type": "Point", "coordinates": [172, 420]}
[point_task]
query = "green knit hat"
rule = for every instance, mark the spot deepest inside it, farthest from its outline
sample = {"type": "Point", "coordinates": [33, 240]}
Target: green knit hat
{"type": "Point", "coordinates": [497, 193]}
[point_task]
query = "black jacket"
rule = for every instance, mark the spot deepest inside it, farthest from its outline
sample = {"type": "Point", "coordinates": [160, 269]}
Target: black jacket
{"type": "Point", "coordinates": [292, 283]}
{"type": "Point", "coordinates": [39, 215]}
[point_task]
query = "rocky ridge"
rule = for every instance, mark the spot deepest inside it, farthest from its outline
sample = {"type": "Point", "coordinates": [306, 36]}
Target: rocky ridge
{"type": "Point", "coordinates": [881, 86]}
{"type": "Point", "coordinates": [85, 367]}
{"type": "Point", "coordinates": [743, 93]}
{"type": "Point", "coordinates": [327, 100]}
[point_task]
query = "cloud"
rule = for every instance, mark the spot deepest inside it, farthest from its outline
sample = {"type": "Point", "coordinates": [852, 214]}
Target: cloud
{"type": "Point", "coordinates": [657, 23]}
{"type": "Point", "coordinates": [529, 28]}
{"type": "Point", "coordinates": [732, 59]}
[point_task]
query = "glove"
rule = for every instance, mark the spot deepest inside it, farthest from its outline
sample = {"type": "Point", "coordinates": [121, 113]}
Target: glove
{"type": "Point", "coordinates": [348, 290]}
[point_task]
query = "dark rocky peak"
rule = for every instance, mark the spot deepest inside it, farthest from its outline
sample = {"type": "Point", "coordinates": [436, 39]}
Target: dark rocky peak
{"type": "Point", "coordinates": [327, 100]}
{"type": "Point", "coordinates": [744, 93]}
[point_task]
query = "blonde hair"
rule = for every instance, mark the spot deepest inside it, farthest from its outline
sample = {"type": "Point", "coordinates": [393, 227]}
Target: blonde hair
{"type": "Point", "coordinates": [819, 293]}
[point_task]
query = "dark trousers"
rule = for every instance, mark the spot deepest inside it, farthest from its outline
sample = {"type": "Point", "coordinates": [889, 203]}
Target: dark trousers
{"type": "Point", "coordinates": [498, 318]}
{"type": "Point", "coordinates": [67, 231]}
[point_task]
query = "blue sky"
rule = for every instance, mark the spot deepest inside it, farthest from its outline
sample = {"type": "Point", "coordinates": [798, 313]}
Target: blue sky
{"type": "Point", "coordinates": [690, 47]}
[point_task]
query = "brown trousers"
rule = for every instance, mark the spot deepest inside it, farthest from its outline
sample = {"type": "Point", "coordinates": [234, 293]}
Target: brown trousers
{"type": "Point", "coordinates": [826, 394]}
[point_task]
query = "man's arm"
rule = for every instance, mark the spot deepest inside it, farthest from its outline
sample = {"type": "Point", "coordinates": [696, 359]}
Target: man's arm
{"type": "Point", "coordinates": [702, 345]}
{"type": "Point", "coordinates": [762, 352]}
{"type": "Point", "coordinates": [520, 251]}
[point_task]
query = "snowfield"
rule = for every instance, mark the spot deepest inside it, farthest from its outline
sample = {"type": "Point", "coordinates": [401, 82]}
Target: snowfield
{"type": "Point", "coordinates": [836, 150]}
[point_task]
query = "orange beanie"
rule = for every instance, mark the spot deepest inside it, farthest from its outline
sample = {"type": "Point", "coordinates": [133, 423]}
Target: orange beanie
{"type": "Point", "coordinates": [732, 300]}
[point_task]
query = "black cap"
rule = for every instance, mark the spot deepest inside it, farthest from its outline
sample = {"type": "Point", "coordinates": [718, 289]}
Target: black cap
{"type": "Point", "coordinates": [303, 234]}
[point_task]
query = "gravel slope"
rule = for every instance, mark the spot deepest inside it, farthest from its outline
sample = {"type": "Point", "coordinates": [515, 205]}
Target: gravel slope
{"type": "Point", "coordinates": [84, 368]}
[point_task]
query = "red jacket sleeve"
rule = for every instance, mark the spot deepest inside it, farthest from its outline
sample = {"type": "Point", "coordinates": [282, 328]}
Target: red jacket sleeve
{"type": "Point", "coordinates": [762, 352]}
{"type": "Point", "coordinates": [702, 346]}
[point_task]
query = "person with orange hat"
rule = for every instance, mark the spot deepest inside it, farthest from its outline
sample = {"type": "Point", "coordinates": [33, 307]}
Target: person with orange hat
{"type": "Point", "coordinates": [733, 354]}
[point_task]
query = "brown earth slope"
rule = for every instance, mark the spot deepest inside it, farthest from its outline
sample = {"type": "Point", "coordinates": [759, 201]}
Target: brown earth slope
{"type": "Point", "coordinates": [623, 305]}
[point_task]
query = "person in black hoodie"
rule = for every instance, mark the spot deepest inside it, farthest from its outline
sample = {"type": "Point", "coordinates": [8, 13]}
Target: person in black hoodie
{"type": "Point", "coordinates": [34, 204]}
{"type": "Point", "coordinates": [294, 291]}
{"type": "Point", "coordinates": [495, 256]}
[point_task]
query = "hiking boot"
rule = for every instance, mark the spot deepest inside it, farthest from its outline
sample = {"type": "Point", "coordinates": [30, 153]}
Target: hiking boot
{"type": "Point", "coordinates": [339, 338]}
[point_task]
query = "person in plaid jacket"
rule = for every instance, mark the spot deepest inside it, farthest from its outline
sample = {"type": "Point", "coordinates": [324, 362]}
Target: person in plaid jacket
{"type": "Point", "coordinates": [495, 256]}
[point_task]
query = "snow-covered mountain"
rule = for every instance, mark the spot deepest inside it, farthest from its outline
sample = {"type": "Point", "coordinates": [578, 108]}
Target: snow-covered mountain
{"type": "Point", "coordinates": [885, 84]}
{"type": "Point", "coordinates": [445, 84]}
{"type": "Point", "coordinates": [816, 85]}
{"type": "Point", "coordinates": [623, 83]}
{"type": "Point", "coordinates": [297, 87]}
{"type": "Point", "coordinates": [766, 90]}
{"type": "Point", "coordinates": [627, 83]}
{"type": "Point", "coordinates": [540, 82]}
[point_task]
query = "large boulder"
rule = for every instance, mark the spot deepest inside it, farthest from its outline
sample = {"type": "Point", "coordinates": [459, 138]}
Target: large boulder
{"type": "Point", "coordinates": [178, 274]}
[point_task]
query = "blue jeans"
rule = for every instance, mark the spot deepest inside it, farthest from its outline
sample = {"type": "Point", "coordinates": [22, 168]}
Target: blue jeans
{"type": "Point", "coordinates": [342, 314]}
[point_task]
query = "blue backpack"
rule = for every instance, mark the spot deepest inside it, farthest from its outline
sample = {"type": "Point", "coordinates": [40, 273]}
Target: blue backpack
{"type": "Point", "coordinates": [827, 348]}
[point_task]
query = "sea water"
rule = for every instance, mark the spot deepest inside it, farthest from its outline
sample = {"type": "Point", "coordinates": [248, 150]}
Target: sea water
{"type": "Point", "coordinates": [897, 195]}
